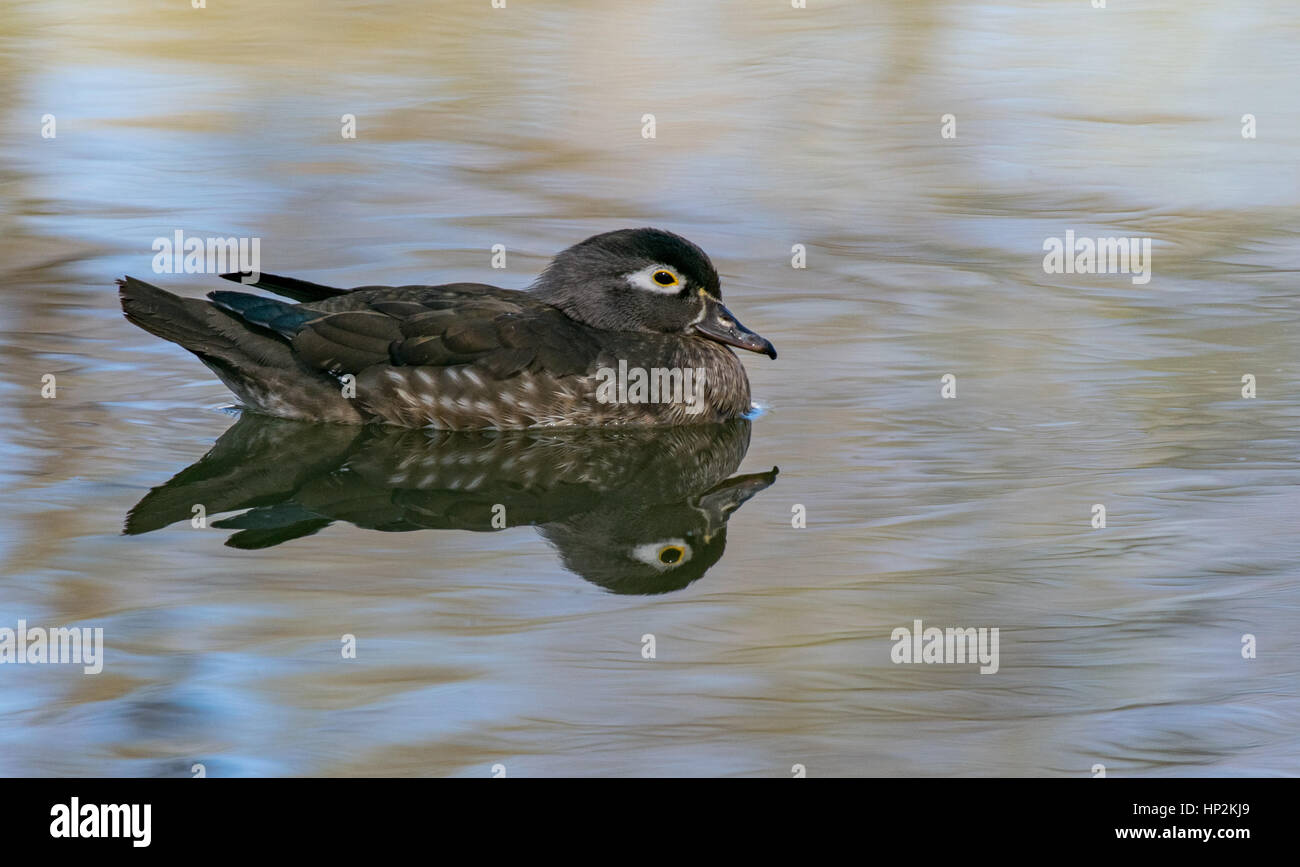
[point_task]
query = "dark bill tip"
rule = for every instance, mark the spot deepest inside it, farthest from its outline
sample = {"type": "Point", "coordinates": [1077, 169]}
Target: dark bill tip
{"type": "Point", "coordinates": [720, 324]}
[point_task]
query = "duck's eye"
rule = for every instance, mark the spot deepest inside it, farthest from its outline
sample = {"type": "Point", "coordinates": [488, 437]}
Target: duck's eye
{"type": "Point", "coordinates": [665, 278]}
{"type": "Point", "coordinates": [663, 554]}
{"type": "Point", "coordinates": [670, 554]}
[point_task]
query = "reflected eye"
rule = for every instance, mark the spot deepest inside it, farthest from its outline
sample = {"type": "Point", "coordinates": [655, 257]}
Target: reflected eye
{"type": "Point", "coordinates": [664, 554]}
{"type": "Point", "coordinates": [670, 554]}
{"type": "Point", "coordinates": [665, 278]}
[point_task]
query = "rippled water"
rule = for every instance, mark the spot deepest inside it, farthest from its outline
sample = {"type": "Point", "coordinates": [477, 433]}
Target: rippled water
{"type": "Point", "coordinates": [774, 127]}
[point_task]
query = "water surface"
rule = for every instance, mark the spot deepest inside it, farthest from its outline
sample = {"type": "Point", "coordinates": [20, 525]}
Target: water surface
{"type": "Point", "coordinates": [774, 127]}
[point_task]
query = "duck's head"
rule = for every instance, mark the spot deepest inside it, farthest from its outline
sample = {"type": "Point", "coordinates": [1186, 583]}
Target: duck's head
{"type": "Point", "coordinates": [644, 280]}
{"type": "Point", "coordinates": [651, 548]}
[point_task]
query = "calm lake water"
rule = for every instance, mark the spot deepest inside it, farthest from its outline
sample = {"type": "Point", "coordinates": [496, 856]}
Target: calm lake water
{"type": "Point", "coordinates": [774, 127]}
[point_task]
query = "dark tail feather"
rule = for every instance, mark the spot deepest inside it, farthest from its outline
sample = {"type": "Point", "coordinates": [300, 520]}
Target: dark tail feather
{"type": "Point", "coordinates": [252, 540]}
{"type": "Point", "coordinates": [267, 526]}
{"type": "Point", "coordinates": [259, 461]}
{"type": "Point", "coordinates": [289, 287]}
{"type": "Point", "coordinates": [258, 366]}
{"type": "Point", "coordinates": [181, 320]}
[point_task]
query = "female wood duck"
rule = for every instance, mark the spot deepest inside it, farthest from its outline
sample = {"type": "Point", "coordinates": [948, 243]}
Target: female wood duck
{"type": "Point", "coordinates": [605, 316]}
{"type": "Point", "coordinates": [634, 510]}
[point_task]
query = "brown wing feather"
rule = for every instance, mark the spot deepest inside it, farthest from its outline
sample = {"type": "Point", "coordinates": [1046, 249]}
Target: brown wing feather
{"type": "Point", "coordinates": [496, 332]}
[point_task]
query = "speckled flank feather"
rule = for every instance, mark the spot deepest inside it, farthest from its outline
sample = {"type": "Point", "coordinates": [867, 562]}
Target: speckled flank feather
{"type": "Point", "coordinates": [466, 397]}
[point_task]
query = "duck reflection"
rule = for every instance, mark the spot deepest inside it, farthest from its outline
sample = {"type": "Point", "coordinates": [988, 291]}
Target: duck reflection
{"type": "Point", "coordinates": [638, 511]}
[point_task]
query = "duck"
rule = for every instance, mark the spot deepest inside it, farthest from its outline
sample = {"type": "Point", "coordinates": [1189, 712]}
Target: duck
{"type": "Point", "coordinates": [632, 510]}
{"type": "Point", "coordinates": [626, 328]}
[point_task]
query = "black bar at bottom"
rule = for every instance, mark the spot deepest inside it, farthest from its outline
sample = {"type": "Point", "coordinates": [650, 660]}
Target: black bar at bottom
{"type": "Point", "coordinates": [330, 816]}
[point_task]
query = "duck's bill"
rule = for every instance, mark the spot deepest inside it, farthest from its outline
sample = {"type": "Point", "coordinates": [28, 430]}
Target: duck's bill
{"type": "Point", "coordinates": [728, 496]}
{"type": "Point", "coordinates": [720, 324]}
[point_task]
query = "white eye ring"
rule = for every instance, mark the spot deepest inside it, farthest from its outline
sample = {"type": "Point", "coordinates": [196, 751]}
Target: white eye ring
{"type": "Point", "coordinates": [650, 553]}
{"type": "Point", "coordinates": [645, 279]}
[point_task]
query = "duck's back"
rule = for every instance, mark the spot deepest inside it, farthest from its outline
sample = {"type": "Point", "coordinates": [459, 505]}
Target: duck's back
{"type": "Point", "coordinates": [456, 357]}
